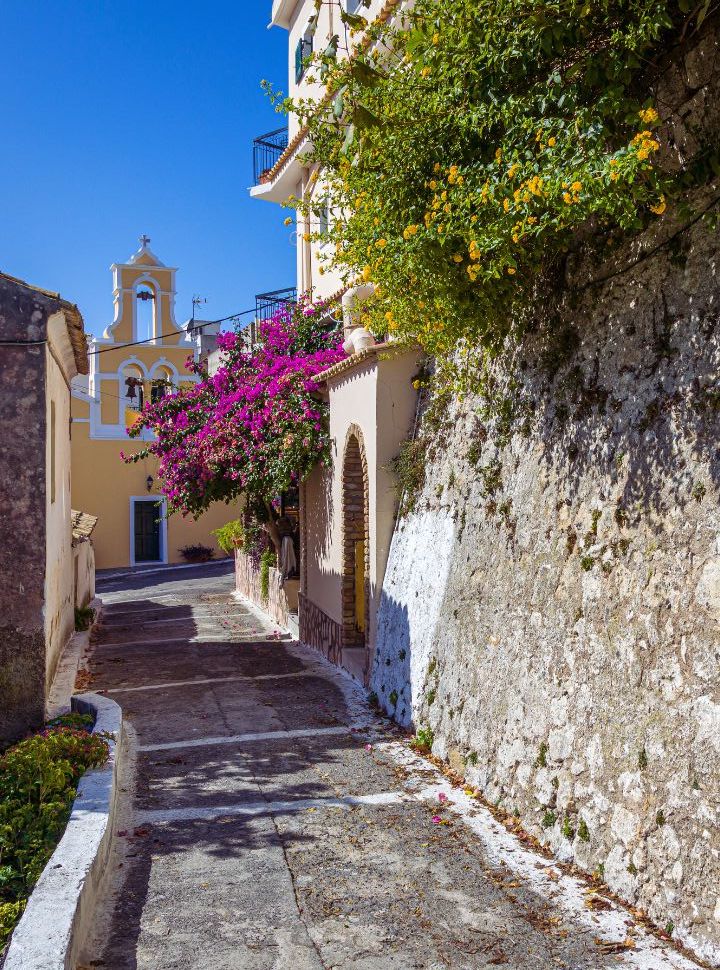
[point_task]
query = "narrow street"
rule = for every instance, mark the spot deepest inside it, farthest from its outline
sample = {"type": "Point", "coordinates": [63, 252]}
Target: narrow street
{"type": "Point", "coordinates": [270, 820]}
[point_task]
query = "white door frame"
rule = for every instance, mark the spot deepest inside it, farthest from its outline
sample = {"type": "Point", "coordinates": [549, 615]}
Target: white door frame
{"type": "Point", "coordinates": [162, 501]}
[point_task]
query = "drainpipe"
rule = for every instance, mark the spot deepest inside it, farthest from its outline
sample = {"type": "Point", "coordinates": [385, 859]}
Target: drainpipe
{"type": "Point", "coordinates": [357, 338]}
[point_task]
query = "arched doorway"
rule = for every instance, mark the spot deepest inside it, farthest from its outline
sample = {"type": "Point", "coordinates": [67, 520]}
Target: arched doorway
{"type": "Point", "coordinates": [356, 551]}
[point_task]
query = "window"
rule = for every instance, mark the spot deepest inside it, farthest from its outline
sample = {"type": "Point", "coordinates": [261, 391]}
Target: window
{"type": "Point", "coordinates": [325, 216]}
{"type": "Point", "coordinates": [353, 6]}
{"type": "Point", "coordinates": [303, 50]}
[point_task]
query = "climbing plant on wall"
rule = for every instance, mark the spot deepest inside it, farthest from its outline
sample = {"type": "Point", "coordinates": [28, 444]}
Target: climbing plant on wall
{"type": "Point", "coordinates": [463, 147]}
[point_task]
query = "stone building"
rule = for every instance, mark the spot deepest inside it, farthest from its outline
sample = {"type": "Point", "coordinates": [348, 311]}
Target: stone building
{"type": "Point", "coordinates": [140, 357]}
{"type": "Point", "coordinates": [43, 349]}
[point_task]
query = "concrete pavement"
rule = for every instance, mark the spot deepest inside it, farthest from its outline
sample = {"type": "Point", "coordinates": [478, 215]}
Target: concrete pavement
{"type": "Point", "coordinates": [270, 820]}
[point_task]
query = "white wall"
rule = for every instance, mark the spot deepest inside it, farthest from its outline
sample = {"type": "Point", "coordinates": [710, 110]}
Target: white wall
{"type": "Point", "coordinates": [378, 397]}
{"type": "Point", "coordinates": [59, 572]}
{"type": "Point", "coordinates": [84, 571]}
{"type": "Point", "coordinates": [328, 23]}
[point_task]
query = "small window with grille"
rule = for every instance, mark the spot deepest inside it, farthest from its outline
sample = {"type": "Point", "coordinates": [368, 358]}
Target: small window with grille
{"type": "Point", "coordinates": [324, 221]}
{"type": "Point", "coordinates": [303, 50]}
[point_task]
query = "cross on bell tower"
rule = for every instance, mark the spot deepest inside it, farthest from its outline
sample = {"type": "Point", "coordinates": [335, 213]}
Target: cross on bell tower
{"type": "Point", "coordinates": [144, 240]}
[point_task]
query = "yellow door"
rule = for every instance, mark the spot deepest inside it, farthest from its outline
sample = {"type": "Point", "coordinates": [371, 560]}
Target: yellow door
{"type": "Point", "coordinates": [360, 586]}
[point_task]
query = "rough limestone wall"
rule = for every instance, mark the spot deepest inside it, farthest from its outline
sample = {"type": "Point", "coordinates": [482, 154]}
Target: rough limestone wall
{"type": "Point", "coordinates": [552, 607]}
{"type": "Point", "coordinates": [23, 317]}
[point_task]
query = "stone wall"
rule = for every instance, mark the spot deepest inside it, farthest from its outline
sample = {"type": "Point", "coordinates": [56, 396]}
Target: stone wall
{"type": "Point", "coordinates": [320, 631]}
{"type": "Point", "coordinates": [552, 607]}
{"type": "Point", "coordinates": [23, 318]}
{"type": "Point", "coordinates": [282, 596]}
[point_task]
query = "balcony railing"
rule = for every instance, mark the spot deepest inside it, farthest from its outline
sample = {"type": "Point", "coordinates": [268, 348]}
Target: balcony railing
{"type": "Point", "coordinates": [267, 304]}
{"type": "Point", "coordinates": [266, 151]}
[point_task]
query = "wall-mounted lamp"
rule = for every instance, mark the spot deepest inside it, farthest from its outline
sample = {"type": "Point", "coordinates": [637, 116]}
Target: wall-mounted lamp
{"type": "Point", "coordinates": [149, 481]}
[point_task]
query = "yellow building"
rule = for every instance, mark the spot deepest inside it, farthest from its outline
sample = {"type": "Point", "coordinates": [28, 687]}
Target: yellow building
{"type": "Point", "coordinates": [139, 357]}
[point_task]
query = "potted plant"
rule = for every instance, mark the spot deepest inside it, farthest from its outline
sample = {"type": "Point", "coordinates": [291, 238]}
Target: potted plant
{"type": "Point", "coordinates": [197, 553]}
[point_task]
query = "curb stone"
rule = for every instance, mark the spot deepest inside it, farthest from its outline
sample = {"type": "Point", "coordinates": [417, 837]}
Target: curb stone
{"type": "Point", "coordinates": [59, 911]}
{"type": "Point", "coordinates": [71, 661]}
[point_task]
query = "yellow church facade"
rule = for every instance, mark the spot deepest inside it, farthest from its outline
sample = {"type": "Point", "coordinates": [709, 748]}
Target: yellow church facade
{"type": "Point", "coordinates": [141, 356]}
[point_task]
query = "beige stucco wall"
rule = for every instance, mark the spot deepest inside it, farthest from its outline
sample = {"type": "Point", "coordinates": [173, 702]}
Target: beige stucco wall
{"type": "Point", "coordinates": [322, 543]}
{"type": "Point", "coordinates": [59, 600]}
{"type": "Point", "coordinates": [84, 573]}
{"type": "Point", "coordinates": [328, 23]}
{"type": "Point", "coordinates": [377, 396]}
{"type": "Point", "coordinates": [103, 486]}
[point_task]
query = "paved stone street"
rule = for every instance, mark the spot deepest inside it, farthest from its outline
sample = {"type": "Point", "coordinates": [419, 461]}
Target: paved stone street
{"type": "Point", "coordinates": [258, 831]}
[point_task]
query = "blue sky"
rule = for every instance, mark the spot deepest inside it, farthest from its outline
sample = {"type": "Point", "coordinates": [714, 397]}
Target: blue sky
{"type": "Point", "coordinates": [124, 118]}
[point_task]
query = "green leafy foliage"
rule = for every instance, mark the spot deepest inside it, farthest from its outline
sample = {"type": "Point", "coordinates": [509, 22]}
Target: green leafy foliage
{"type": "Point", "coordinates": [463, 156]}
{"type": "Point", "coordinates": [230, 536]}
{"type": "Point", "coordinates": [84, 617]}
{"type": "Point", "coordinates": [409, 469]}
{"type": "Point", "coordinates": [423, 740]}
{"type": "Point", "coordinates": [267, 559]}
{"type": "Point", "coordinates": [197, 552]}
{"type": "Point", "coordinates": [38, 782]}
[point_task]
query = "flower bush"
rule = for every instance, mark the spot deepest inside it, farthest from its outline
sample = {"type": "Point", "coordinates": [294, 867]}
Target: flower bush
{"type": "Point", "coordinates": [255, 427]}
{"type": "Point", "coordinates": [466, 147]}
{"type": "Point", "coordinates": [38, 782]}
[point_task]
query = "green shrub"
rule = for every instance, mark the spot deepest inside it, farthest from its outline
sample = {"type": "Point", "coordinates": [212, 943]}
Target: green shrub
{"type": "Point", "coordinates": [197, 553]}
{"type": "Point", "coordinates": [568, 830]}
{"type": "Point", "coordinates": [409, 469]}
{"type": "Point", "coordinates": [82, 722]}
{"type": "Point", "coordinates": [38, 782]}
{"type": "Point", "coordinates": [84, 617]}
{"type": "Point", "coordinates": [423, 740]}
{"type": "Point", "coordinates": [267, 559]}
{"type": "Point", "coordinates": [230, 536]}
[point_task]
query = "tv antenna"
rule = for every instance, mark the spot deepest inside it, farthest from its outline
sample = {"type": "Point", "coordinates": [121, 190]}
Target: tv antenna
{"type": "Point", "coordinates": [196, 302]}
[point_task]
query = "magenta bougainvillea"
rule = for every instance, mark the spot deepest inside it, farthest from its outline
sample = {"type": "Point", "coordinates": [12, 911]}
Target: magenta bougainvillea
{"type": "Point", "coordinates": [257, 426]}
